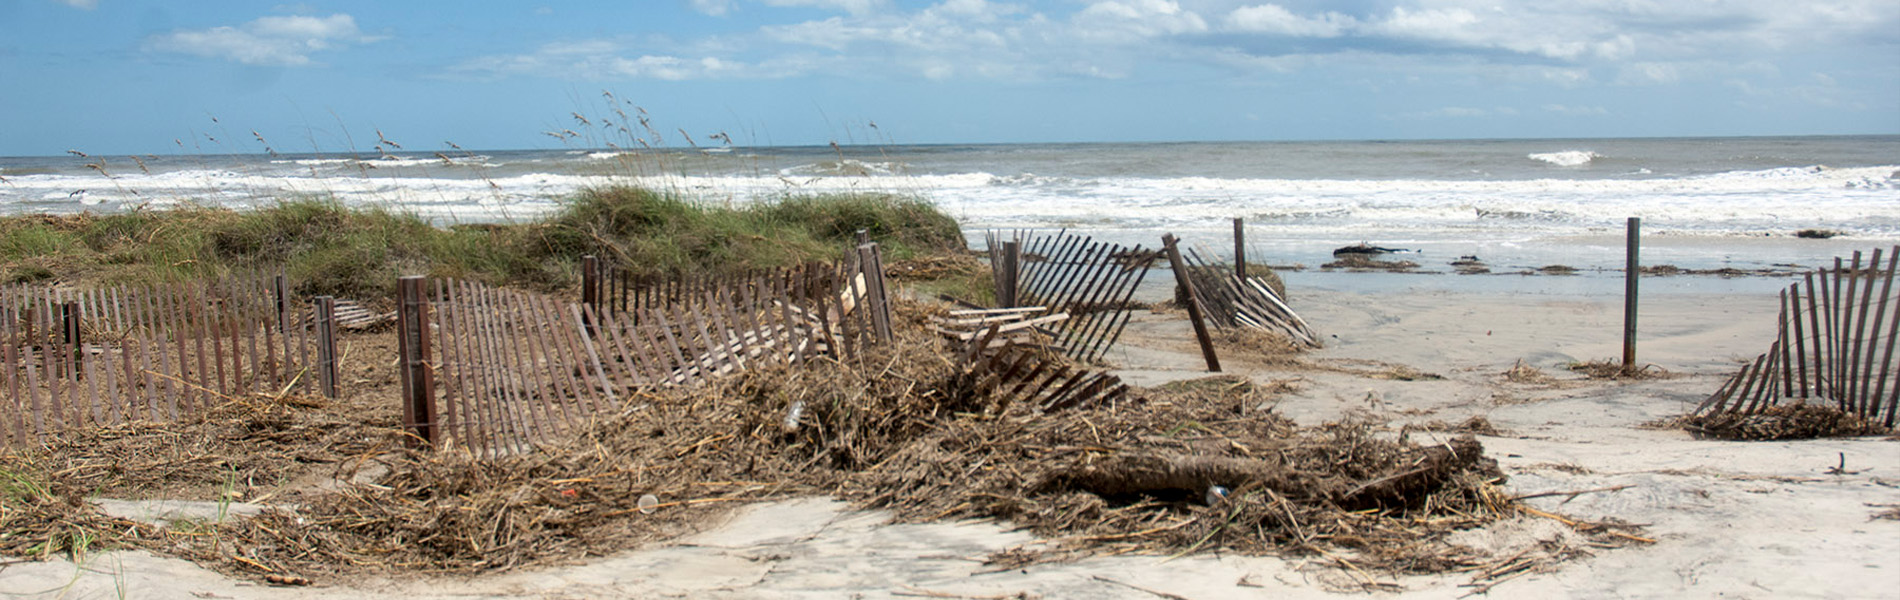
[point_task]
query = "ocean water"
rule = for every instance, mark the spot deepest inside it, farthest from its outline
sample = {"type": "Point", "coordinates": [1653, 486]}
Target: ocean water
{"type": "Point", "coordinates": [1515, 203]}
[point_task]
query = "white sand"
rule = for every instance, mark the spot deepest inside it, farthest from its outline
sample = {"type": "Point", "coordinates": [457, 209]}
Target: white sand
{"type": "Point", "coordinates": [1733, 520]}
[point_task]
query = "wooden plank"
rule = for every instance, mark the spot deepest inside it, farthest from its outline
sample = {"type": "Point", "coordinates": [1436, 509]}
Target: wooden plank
{"type": "Point", "coordinates": [623, 355]}
{"type": "Point", "coordinates": [543, 359]}
{"type": "Point", "coordinates": [1893, 331]}
{"type": "Point", "coordinates": [1814, 326]}
{"type": "Point", "coordinates": [1194, 308]}
{"type": "Point", "coordinates": [10, 351]}
{"type": "Point", "coordinates": [593, 354]}
{"type": "Point", "coordinates": [564, 325]}
{"type": "Point", "coordinates": [502, 336]}
{"type": "Point", "coordinates": [1791, 298]}
{"type": "Point", "coordinates": [481, 410]}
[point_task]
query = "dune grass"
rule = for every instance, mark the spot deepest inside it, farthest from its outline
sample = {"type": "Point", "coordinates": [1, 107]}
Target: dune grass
{"type": "Point", "coordinates": [329, 248]}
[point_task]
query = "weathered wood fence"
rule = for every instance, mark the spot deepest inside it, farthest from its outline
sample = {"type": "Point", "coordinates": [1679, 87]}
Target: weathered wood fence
{"type": "Point", "coordinates": [157, 353]}
{"type": "Point", "coordinates": [1834, 343]}
{"type": "Point", "coordinates": [1090, 281]}
{"type": "Point", "coordinates": [494, 371]}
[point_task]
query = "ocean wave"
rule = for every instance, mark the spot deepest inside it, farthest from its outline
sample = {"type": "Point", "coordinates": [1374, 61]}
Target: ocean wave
{"type": "Point", "coordinates": [846, 167]}
{"type": "Point", "coordinates": [1566, 158]}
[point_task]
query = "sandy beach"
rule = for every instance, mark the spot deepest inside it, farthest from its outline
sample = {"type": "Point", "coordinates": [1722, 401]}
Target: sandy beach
{"type": "Point", "coordinates": [1729, 519]}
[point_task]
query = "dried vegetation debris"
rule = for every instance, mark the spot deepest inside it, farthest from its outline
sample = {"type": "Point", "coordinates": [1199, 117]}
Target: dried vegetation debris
{"type": "Point", "coordinates": [1791, 421]}
{"type": "Point", "coordinates": [1194, 466]}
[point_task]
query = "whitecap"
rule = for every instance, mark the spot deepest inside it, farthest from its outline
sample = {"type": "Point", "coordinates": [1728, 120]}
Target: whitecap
{"type": "Point", "coordinates": [1566, 158]}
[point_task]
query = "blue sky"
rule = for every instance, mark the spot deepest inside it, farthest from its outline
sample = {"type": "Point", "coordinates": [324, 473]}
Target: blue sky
{"type": "Point", "coordinates": [134, 76]}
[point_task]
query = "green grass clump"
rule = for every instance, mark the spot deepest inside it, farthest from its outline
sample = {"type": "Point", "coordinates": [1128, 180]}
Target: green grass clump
{"type": "Point", "coordinates": [653, 232]}
{"type": "Point", "coordinates": [331, 249]}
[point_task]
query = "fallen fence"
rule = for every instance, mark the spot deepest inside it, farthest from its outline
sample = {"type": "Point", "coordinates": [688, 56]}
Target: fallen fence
{"type": "Point", "coordinates": [157, 353]}
{"type": "Point", "coordinates": [1233, 299]}
{"type": "Point", "coordinates": [1003, 361]}
{"type": "Point", "coordinates": [1825, 349]}
{"type": "Point", "coordinates": [499, 370]}
{"type": "Point", "coordinates": [1092, 282]}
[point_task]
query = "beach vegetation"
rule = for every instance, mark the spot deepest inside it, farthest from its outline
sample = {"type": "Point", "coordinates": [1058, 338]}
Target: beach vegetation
{"type": "Point", "coordinates": [329, 248]}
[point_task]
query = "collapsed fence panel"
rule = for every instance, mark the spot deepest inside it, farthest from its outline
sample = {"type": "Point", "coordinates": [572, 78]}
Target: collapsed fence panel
{"type": "Point", "coordinates": [1834, 344]}
{"type": "Point", "coordinates": [514, 368]}
{"type": "Point", "coordinates": [1092, 282]}
{"type": "Point", "coordinates": [1004, 361]}
{"type": "Point", "coordinates": [1236, 300]}
{"type": "Point", "coordinates": [104, 356]}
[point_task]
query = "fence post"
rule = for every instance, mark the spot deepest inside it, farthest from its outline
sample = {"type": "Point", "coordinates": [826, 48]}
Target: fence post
{"type": "Point", "coordinates": [326, 345]}
{"type": "Point", "coordinates": [69, 334]}
{"type": "Point", "coordinates": [1632, 272]}
{"type": "Point", "coordinates": [1240, 249]}
{"type": "Point", "coordinates": [418, 391]}
{"type": "Point", "coordinates": [1011, 275]}
{"type": "Point", "coordinates": [1182, 279]}
{"type": "Point", "coordinates": [871, 263]}
{"type": "Point", "coordinates": [590, 289]}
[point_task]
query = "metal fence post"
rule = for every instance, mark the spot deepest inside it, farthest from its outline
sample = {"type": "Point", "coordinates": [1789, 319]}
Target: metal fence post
{"type": "Point", "coordinates": [326, 345]}
{"type": "Point", "coordinates": [418, 390]}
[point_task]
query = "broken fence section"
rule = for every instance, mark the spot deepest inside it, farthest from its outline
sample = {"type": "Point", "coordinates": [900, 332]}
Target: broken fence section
{"type": "Point", "coordinates": [1092, 282]}
{"type": "Point", "coordinates": [104, 356]}
{"type": "Point", "coordinates": [1834, 344]}
{"type": "Point", "coordinates": [1232, 300]}
{"type": "Point", "coordinates": [1005, 360]}
{"type": "Point", "coordinates": [511, 368]}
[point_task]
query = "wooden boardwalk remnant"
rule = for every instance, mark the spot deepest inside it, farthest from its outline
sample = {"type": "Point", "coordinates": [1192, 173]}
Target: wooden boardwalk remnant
{"type": "Point", "coordinates": [1834, 345]}
{"type": "Point", "coordinates": [1092, 282]}
{"type": "Point", "coordinates": [72, 358]}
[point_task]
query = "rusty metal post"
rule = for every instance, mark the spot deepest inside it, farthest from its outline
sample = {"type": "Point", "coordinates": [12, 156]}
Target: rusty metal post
{"type": "Point", "coordinates": [326, 345]}
{"type": "Point", "coordinates": [1194, 303]}
{"type": "Point", "coordinates": [1632, 273]}
{"type": "Point", "coordinates": [418, 391]}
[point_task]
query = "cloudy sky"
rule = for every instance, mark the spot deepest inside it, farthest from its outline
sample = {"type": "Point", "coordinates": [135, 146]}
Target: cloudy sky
{"type": "Point", "coordinates": [126, 76]}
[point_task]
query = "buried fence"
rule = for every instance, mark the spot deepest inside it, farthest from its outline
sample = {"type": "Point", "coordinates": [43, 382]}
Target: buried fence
{"type": "Point", "coordinates": [157, 353]}
{"type": "Point", "coordinates": [494, 371]}
{"type": "Point", "coordinates": [1834, 345]}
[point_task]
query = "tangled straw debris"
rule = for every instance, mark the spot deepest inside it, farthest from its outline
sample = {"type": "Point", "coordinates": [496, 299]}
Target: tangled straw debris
{"type": "Point", "coordinates": [1194, 467]}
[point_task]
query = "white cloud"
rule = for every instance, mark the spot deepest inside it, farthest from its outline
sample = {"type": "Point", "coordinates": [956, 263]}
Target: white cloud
{"type": "Point", "coordinates": [1576, 111]}
{"type": "Point", "coordinates": [268, 41]}
{"type": "Point", "coordinates": [1276, 19]}
{"type": "Point", "coordinates": [1649, 73]}
{"type": "Point", "coordinates": [717, 8]}
{"type": "Point", "coordinates": [856, 7]}
{"type": "Point", "coordinates": [1139, 18]}
{"type": "Point", "coordinates": [608, 59]}
{"type": "Point", "coordinates": [81, 4]}
{"type": "Point", "coordinates": [1529, 45]}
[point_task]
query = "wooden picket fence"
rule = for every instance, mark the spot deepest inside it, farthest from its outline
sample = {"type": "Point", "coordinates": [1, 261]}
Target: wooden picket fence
{"type": "Point", "coordinates": [1825, 349]}
{"type": "Point", "coordinates": [493, 372]}
{"type": "Point", "coordinates": [105, 356]}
